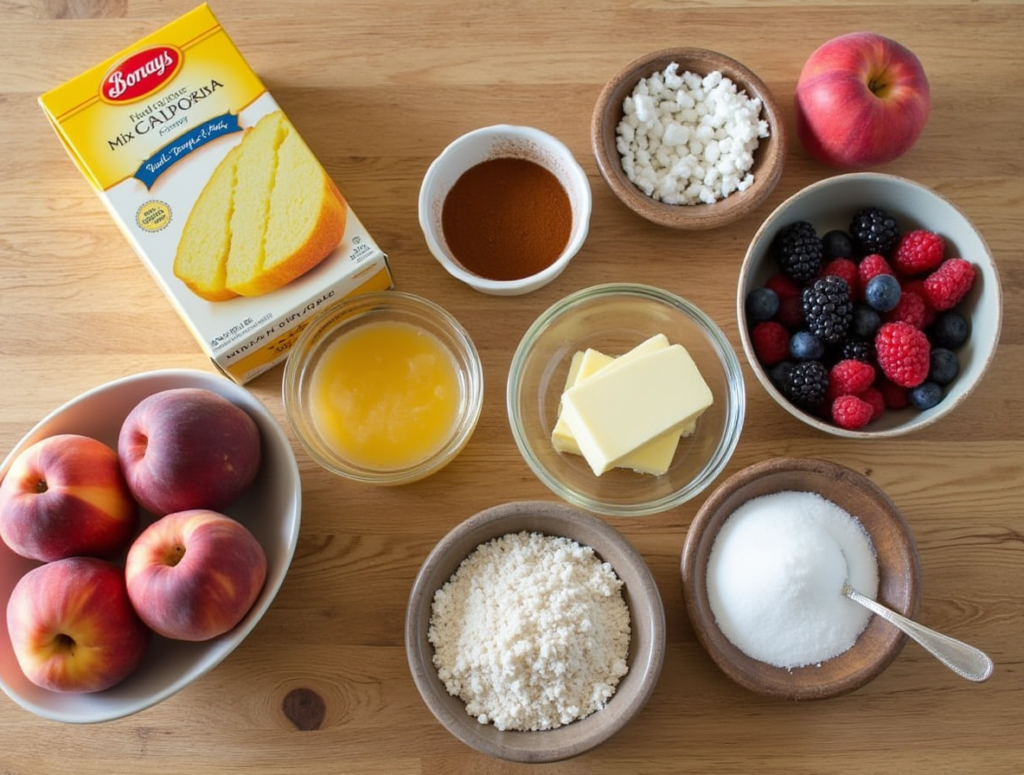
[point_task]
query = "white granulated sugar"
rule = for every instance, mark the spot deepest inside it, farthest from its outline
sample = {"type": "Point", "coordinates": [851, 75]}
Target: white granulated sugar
{"type": "Point", "coordinates": [688, 139]}
{"type": "Point", "coordinates": [531, 632]}
{"type": "Point", "coordinates": [775, 577]}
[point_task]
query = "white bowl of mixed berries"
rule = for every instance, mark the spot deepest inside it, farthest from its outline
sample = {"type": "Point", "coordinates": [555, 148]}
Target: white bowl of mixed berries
{"type": "Point", "coordinates": [868, 305]}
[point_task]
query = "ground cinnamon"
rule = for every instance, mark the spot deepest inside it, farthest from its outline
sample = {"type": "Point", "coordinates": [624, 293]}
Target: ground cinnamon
{"type": "Point", "coordinates": [506, 218]}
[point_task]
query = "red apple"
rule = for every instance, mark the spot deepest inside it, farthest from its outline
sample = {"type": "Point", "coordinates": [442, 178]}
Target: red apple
{"type": "Point", "coordinates": [66, 496]}
{"type": "Point", "coordinates": [72, 626]}
{"type": "Point", "coordinates": [861, 100]}
{"type": "Point", "coordinates": [188, 448]}
{"type": "Point", "coordinates": [193, 575]}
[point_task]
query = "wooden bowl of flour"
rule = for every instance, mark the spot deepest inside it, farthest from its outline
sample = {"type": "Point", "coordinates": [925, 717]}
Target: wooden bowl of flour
{"type": "Point", "coordinates": [639, 591]}
{"type": "Point", "coordinates": [899, 577]}
{"type": "Point", "coordinates": [768, 157]}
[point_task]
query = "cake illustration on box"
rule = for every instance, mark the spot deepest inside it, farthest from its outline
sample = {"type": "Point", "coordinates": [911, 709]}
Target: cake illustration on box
{"type": "Point", "coordinates": [216, 191]}
{"type": "Point", "coordinates": [268, 215]}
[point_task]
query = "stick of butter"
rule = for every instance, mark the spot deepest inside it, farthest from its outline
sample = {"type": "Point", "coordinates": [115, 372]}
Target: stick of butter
{"type": "Point", "coordinates": [584, 365]}
{"type": "Point", "coordinates": [655, 456]}
{"type": "Point", "coordinates": [620, 409]}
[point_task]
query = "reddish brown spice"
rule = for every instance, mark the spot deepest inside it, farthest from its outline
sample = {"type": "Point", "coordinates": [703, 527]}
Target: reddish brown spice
{"type": "Point", "coordinates": [505, 219]}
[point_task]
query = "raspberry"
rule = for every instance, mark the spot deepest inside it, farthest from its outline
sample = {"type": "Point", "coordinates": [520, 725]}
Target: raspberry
{"type": "Point", "coordinates": [872, 266]}
{"type": "Point", "coordinates": [791, 313]}
{"type": "Point", "coordinates": [850, 377]}
{"type": "Point", "coordinates": [895, 396]}
{"type": "Point", "coordinates": [877, 401]}
{"type": "Point", "coordinates": [904, 353]}
{"type": "Point", "coordinates": [947, 285]}
{"type": "Point", "coordinates": [845, 268]}
{"type": "Point", "coordinates": [783, 286]}
{"type": "Point", "coordinates": [771, 342]}
{"type": "Point", "coordinates": [911, 309]}
{"type": "Point", "coordinates": [916, 285]}
{"type": "Point", "coordinates": [851, 412]}
{"type": "Point", "coordinates": [918, 251]}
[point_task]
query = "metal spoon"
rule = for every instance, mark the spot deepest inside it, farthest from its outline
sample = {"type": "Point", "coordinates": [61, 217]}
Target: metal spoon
{"type": "Point", "coordinates": [966, 661]}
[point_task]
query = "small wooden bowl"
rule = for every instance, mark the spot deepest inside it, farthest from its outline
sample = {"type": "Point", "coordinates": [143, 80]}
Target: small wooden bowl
{"type": "Point", "coordinates": [646, 647]}
{"type": "Point", "coordinates": [899, 574]}
{"type": "Point", "coordinates": [768, 158]}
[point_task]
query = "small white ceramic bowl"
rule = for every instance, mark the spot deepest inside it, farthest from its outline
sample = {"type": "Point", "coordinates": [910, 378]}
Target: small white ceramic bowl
{"type": "Point", "coordinates": [830, 204]}
{"type": "Point", "coordinates": [503, 141]}
{"type": "Point", "coordinates": [271, 509]}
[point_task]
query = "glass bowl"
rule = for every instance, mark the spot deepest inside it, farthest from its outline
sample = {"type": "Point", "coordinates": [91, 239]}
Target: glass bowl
{"type": "Point", "coordinates": [349, 315]}
{"type": "Point", "coordinates": [613, 319]}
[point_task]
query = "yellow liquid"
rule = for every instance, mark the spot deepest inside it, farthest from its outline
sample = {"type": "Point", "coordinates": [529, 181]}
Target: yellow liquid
{"type": "Point", "coordinates": [386, 395]}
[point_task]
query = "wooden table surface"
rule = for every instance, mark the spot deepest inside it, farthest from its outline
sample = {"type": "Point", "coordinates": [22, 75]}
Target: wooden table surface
{"type": "Point", "coordinates": [377, 89]}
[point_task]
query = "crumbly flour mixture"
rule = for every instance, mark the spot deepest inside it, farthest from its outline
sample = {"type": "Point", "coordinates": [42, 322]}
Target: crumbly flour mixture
{"type": "Point", "coordinates": [531, 632]}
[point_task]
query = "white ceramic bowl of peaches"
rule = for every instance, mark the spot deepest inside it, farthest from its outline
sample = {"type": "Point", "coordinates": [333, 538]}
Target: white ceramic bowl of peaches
{"type": "Point", "coordinates": [115, 560]}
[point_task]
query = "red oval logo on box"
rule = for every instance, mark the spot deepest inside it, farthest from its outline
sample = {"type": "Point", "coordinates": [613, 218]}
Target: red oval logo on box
{"type": "Point", "coordinates": [140, 74]}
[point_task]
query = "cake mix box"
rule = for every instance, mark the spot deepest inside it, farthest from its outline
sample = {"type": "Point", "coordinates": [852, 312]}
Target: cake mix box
{"type": "Point", "coordinates": [217, 192]}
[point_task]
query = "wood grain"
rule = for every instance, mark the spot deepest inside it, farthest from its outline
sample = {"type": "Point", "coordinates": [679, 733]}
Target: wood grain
{"type": "Point", "coordinates": [378, 90]}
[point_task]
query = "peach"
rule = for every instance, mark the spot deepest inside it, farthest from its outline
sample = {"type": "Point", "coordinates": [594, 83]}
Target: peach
{"type": "Point", "coordinates": [72, 626]}
{"type": "Point", "coordinates": [64, 496]}
{"type": "Point", "coordinates": [188, 448]}
{"type": "Point", "coordinates": [194, 575]}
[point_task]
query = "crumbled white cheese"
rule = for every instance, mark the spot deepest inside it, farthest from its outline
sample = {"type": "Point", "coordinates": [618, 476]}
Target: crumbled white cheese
{"type": "Point", "coordinates": [687, 139]}
{"type": "Point", "coordinates": [531, 632]}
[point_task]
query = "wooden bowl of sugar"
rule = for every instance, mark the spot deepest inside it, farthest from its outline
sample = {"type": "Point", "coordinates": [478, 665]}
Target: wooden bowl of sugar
{"type": "Point", "coordinates": [772, 672]}
{"type": "Point", "coordinates": [728, 195]}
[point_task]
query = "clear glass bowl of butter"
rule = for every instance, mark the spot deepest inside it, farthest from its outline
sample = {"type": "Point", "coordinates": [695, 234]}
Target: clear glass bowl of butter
{"type": "Point", "coordinates": [625, 399]}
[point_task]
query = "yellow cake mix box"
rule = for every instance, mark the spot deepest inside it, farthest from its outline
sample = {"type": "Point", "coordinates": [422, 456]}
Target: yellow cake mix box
{"type": "Point", "coordinates": [215, 189]}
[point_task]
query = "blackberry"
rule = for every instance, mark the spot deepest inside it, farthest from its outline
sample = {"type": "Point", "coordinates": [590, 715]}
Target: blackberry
{"type": "Point", "coordinates": [828, 309]}
{"type": "Point", "coordinates": [837, 244]}
{"type": "Point", "coordinates": [859, 350]}
{"type": "Point", "coordinates": [806, 384]}
{"type": "Point", "coordinates": [874, 231]}
{"type": "Point", "coordinates": [798, 251]}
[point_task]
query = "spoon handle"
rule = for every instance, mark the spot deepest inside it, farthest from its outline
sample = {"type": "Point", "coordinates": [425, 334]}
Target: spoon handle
{"type": "Point", "coordinates": [964, 660]}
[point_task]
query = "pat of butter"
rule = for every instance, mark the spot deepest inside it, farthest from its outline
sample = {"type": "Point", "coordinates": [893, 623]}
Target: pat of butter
{"type": "Point", "coordinates": [584, 365]}
{"type": "Point", "coordinates": [655, 456]}
{"type": "Point", "coordinates": [620, 409]}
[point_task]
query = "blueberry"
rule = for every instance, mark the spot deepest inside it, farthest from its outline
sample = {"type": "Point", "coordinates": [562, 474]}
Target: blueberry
{"type": "Point", "coordinates": [778, 373]}
{"type": "Point", "coordinates": [866, 322]}
{"type": "Point", "coordinates": [926, 395]}
{"type": "Point", "coordinates": [762, 304]}
{"type": "Point", "coordinates": [805, 346]}
{"type": "Point", "coordinates": [944, 366]}
{"type": "Point", "coordinates": [882, 292]}
{"type": "Point", "coordinates": [950, 329]}
{"type": "Point", "coordinates": [837, 244]}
